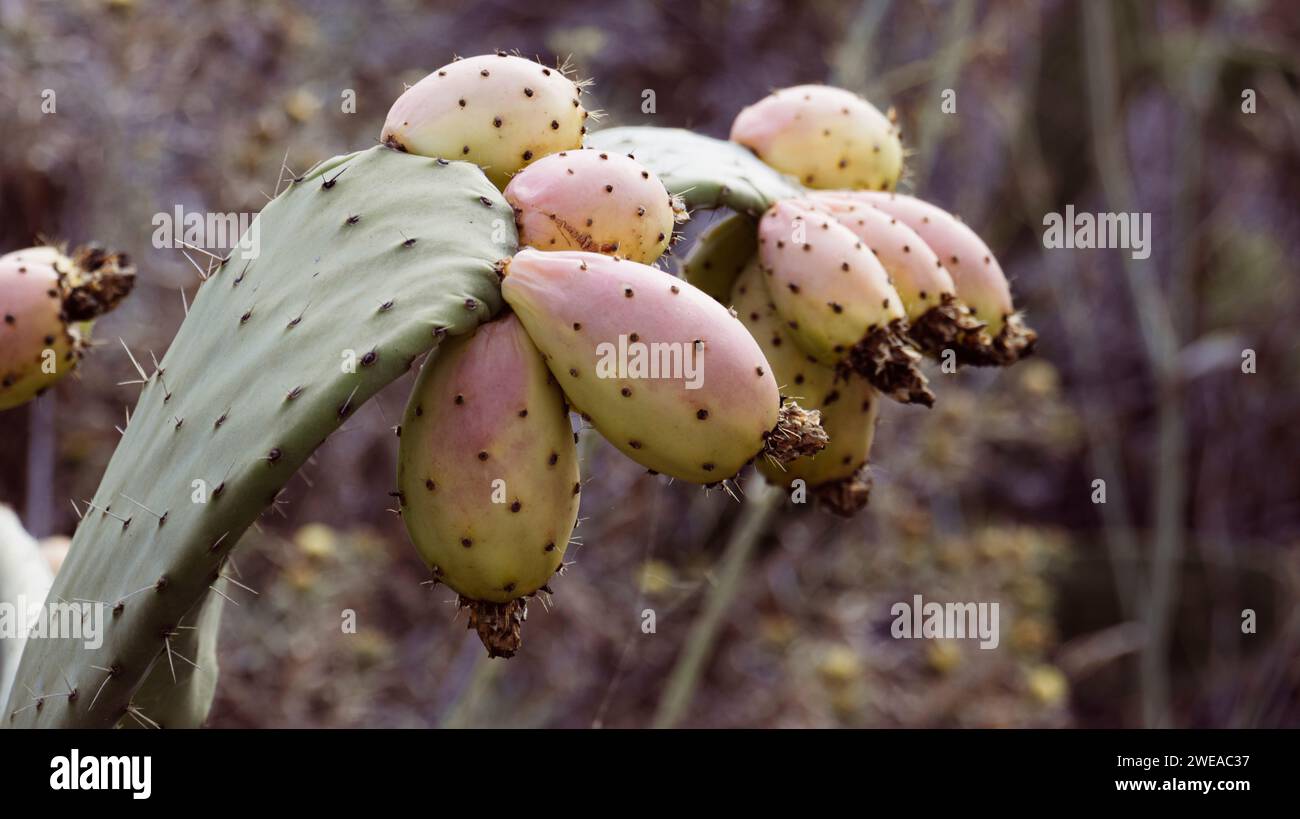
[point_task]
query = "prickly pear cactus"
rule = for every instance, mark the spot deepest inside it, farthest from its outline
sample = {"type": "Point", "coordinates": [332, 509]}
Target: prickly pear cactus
{"type": "Point", "coordinates": [704, 172]}
{"type": "Point", "coordinates": [177, 692]}
{"type": "Point", "coordinates": [595, 201]}
{"type": "Point", "coordinates": [825, 137]}
{"type": "Point", "coordinates": [980, 282]}
{"type": "Point", "coordinates": [938, 319]}
{"type": "Point", "coordinates": [720, 253]}
{"type": "Point", "coordinates": [365, 263]}
{"type": "Point", "coordinates": [48, 299]}
{"type": "Point", "coordinates": [836, 476]}
{"type": "Point", "coordinates": [499, 111]}
{"type": "Point", "coordinates": [837, 299]}
{"type": "Point", "coordinates": [488, 476]}
{"type": "Point", "coordinates": [665, 373]}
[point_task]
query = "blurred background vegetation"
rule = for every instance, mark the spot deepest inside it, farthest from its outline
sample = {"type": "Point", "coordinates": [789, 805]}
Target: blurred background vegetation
{"type": "Point", "coordinates": [1123, 613]}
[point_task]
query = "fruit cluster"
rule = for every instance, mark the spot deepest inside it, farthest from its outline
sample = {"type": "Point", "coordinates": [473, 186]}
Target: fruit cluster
{"type": "Point", "coordinates": [849, 285]}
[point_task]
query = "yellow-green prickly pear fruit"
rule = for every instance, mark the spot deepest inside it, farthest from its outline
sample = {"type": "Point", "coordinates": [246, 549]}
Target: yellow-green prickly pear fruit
{"type": "Point", "coordinates": [825, 136]}
{"type": "Point", "coordinates": [663, 371]}
{"type": "Point", "coordinates": [47, 299]}
{"type": "Point", "coordinates": [719, 253]}
{"type": "Point", "coordinates": [499, 111]}
{"type": "Point", "coordinates": [937, 318]}
{"type": "Point", "coordinates": [488, 475]}
{"type": "Point", "coordinates": [595, 201]}
{"type": "Point", "coordinates": [836, 476]}
{"type": "Point", "coordinates": [979, 279]}
{"type": "Point", "coordinates": [798, 374]}
{"type": "Point", "coordinates": [836, 299]}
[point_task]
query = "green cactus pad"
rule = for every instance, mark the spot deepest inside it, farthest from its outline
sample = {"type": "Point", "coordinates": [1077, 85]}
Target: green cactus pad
{"type": "Point", "coordinates": [370, 257]}
{"type": "Point", "coordinates": [178, 690]}
{"type": "Point", "coordinates": [705, 172]}
{"type": "Point", "coordinates": [720, 253]}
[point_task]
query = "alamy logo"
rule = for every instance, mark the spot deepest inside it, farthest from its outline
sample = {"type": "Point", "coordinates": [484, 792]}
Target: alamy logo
{"type": "Point", "coordinates": [946, 621]}
{"type": "Point", "coordinates": [81, 620]}
{"type": "Point", "coordinates": [102, 773]}
{"type": "Point", "coordinates": [1130, 231]}
{"type": "Point", "coordinates": [207, 231]}
{"type": "Point", "coordinates": [632, 358]}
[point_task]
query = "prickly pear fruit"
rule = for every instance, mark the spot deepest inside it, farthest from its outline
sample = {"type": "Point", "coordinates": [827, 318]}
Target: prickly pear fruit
{"type": "Point", "coordinates": [838, 476]}
{"type": "Point", "coordinates": [798, 374]}
{"type": "Point", "coordinates": [720, 253]}
{"type": "Point", "coordinates": [836, 299]}
{"type": "Point", "coordinates": [664, 372]}
{"type": "Point", "coordinates": [979, 279]}
{"type": "Point", "coordinates": [937, 318]}
{"type": "Point", "coordinates": [498, 111]}
{"type": "Point", "coordinates": [596, 201]}
{"type": "Point", "coordinates": [848, 404]}
{"type": "Point", "coordinates": [46, 298]}
{"type": "Point", "coordinates": [488, 475]}
{"type": "Point", "coordinates": [827, 137]}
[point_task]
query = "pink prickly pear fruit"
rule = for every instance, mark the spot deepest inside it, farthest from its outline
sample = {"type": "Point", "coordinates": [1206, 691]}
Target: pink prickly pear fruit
{"type": "Point", "coordinates": [979, 279]}
{"type": "Point", "coordinates": [937, 318]}
{"type": "Point", "coordinates": [498, 111]}
{"type": "Point", "coordinates": [488, 475]}
{"type": "Point", "coordinates": [835, 476]}
{"type": "Point", "coordinates": [47, 300]}
{"type": "Point", "coordinates": [595, 201]}
{"type": "Point", "coordinates": [836, 299]}
{"type": "Point", "coordinates": [663, 371]}
{"type": "Point", "coordinates": [827, 137]}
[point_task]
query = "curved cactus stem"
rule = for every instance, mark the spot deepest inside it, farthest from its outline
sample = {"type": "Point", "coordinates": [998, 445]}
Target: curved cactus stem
{"type": "Point", "coordinates": [365, 262]}
{"type": "Point", "coordinates": [705, 172]}
{"type": "Point", "coordinates": [720, 253]}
